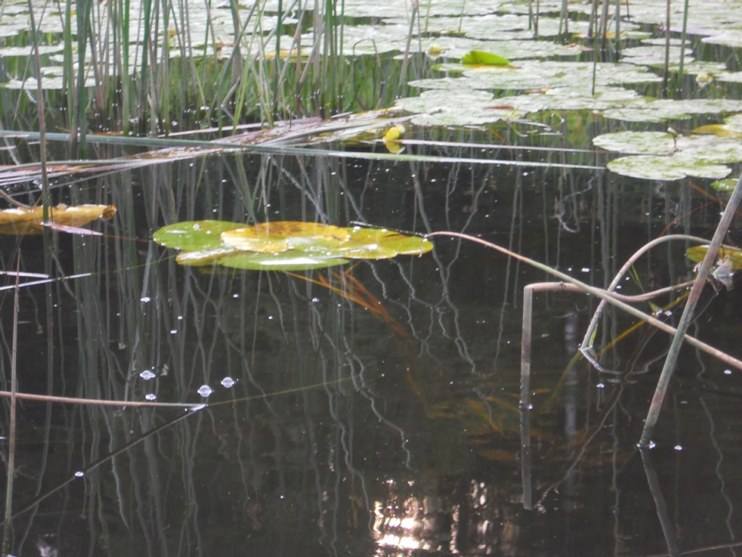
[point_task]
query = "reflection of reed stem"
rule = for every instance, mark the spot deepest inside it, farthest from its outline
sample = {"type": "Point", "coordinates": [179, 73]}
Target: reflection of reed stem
{"type": "Point", "coordinates": [587, 342]}
{"type": "Point", "coordinates": [82, 473]}
{"type": "Point", "coordinates": [663, 515]}
{"type": "Point", "coordinates": [603, 295]}
{"type": "Point", "coordinates": [7, 532]}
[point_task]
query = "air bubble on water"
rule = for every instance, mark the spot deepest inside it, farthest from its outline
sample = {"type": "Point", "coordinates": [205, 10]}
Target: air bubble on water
{"type": "Point", "coordinates": [315, 300]}
{"type": "Point", "coordinates": [145, 299]}
{"type": "Point", "coordinates": [205, 391]}
{"type": "Point", "coordinates": [600, 385]}
{"type": "Point", "coordinates": [727, 372]}
{"type": "Point", "coordinates": [173, 331]}
{"type": "Point", "coordinates": [228, 382]}
{"type": "Point", "coordinates": [147, 375]}
{"type": "Point", "coordinates": [79, 474]}
{"type": "Point", "coordinates": [150, 396]}
{"type": "Point", "coordinates": [678, 447]}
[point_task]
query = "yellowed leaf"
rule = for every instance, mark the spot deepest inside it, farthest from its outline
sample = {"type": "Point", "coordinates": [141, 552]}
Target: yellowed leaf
{"type": "Point", "coordinates": [22, 220]}
{"type": "Point", "coordinates": [280, 236]}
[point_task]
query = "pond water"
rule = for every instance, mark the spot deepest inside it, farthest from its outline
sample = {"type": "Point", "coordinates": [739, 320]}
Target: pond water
{"type": "Point", "coordinates": [372, 408]}
{"type": "Point", "coordinates": [368, 409]}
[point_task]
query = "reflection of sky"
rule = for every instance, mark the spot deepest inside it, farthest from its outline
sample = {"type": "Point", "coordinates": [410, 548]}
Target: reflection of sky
{"type": "Point", "coordinates": [477, 522]}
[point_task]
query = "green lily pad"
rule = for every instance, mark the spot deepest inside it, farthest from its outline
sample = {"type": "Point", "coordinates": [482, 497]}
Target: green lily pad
{"type": "Point", "coordinates": [204, 257]}
{"type": "Point", "coordinates": [283, 245]}
{"type": "Point", "coordinates": [472, 108]}
{"type": "Point", "coordinates": [292, 260]}
{"type": "Point", "coordinates": [732, 127]}
{"type": "Point", "coordinates": [699, 156]}
{"type": "Point", "coordinates": [726, 186]}
{"type": "Point", "coordinates": [657, 110]}
{"type": "Point", "coordinates": [666, 168]}
{"type": "Point", "coordinates": [481, 58]}
{"type": "Point", "coordinates": [281, 236]}
{"type": "Point", "coordinates": [199, 235]}
{"type": "Point", "coordinates": [379, 243]}
{"type": "Point", "coordinates": [637, 143]}
{"type": "Point", "coordinates": [732, 255]}
{"type": "Point", "coordinates": [729, 77]}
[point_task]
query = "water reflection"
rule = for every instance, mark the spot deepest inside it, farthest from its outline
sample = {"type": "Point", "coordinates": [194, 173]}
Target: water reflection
{"type": "Point", "coordinates": [371, 410]}
{"type": "Point", "coordinates": [475, 521]}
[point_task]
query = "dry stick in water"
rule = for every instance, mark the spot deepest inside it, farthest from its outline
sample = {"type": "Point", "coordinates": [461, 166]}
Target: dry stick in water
{"type": "Point", "coordinates": [690, 307]}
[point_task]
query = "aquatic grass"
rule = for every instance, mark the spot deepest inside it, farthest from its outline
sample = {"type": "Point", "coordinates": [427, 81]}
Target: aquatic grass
{"type": "Point", "coordinates": [45, 196]}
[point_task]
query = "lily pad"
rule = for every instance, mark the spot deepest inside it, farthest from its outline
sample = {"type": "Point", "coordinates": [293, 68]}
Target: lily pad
{"type": "Point", "coordinates": [732, 127]}
{"type": "Point", "coordinates": [199, 235]}
{"type": "Point", "coordinates": [286, 261]}
{"type": "Point", "coordinates": [726, 185]}
{"type": "Point", "coordinates": [666, 168]}
{"type": "Point", "coordinates": [732, 255]}
{"type": "Point", "coordinates": [379, 243]}
{"type": "Point", "coordinates": [637, 143]}
{"type": "Point", "coordinates": [29, 220]}
{"type": "Point", "coordinates": [283, 245]}
{"type": "Point", "coordinates": [658, 110]}
{"type": "Point", "coordinates": [482, 58]}
{"type": "Point", "coordinates": [699, 156]}
{"type": "Point", "coordinates": [281, 236]}
{"type": "Point", "coordinates": [434, 108]}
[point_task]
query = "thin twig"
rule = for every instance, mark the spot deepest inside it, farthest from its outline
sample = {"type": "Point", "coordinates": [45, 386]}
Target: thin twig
{"type": "Point", "coordinates": [98, 402]}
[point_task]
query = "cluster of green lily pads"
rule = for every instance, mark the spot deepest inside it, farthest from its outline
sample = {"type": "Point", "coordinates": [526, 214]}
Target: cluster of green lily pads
{"type": "Point", "coordinates": [654, 155]}
{"type": "Point", "coordinates": [283, 245]}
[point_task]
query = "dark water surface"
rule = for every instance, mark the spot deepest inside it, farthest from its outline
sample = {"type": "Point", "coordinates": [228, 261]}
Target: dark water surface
{"type": "Point", "coordinates": [374, 409]}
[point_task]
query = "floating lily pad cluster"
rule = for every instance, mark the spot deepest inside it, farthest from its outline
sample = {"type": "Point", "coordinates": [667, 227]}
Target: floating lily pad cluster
{"type": "Point", "coordinates": [656, 155]}
{"type": "Point", "coordinates": [283, 245]}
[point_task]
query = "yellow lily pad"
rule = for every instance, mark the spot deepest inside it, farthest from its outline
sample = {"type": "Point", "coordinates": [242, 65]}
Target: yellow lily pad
{"type": "Point", "coordinates": [283, 245]}
{"type": "Point", "coordinates": [380, 243]}
{"type": "Point", "coordinates": [732, 256]}
{"type": "Point", "coordinates": [280, 236]}
{"type": "Point", "coordinates": [29, 220]}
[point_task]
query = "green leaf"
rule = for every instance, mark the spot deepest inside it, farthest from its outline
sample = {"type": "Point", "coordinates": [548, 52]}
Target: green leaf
{"type": "Point", "coordinates": [481, 58]}
{"type": "Point", "coordinates": [286, 261]}
{"type": "Point", "coordinates": [726, 185]}
{"type": "Point", "coordinates": [205, 257]}
{"type": "Point", "coordinates": [379, 243]}
{"type": "Point", "coordinates": [194, 235]}
{"type": "Point", "coordinates": [283, 245]}
{"type": "Point", "coordinates": [279, 236]}
{"type": "Point", "coordinates": [731, 255]}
